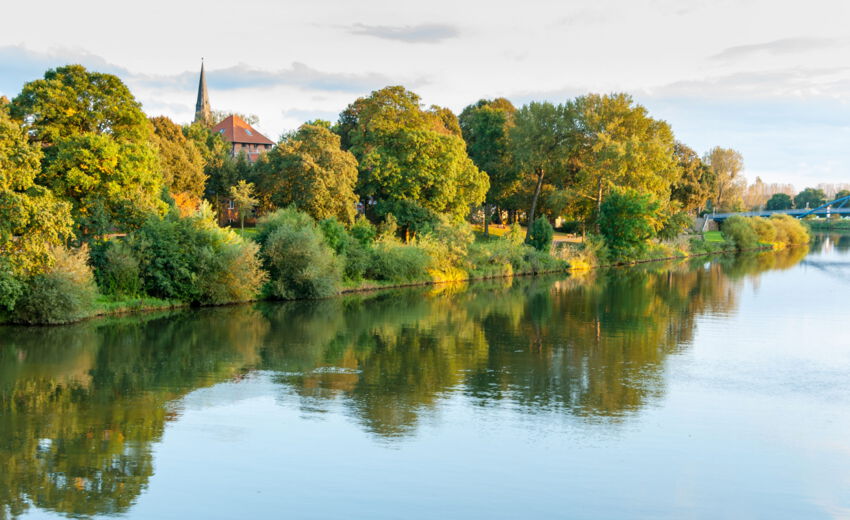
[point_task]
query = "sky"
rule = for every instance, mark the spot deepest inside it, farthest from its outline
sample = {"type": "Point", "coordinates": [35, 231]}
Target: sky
{"type": "Point", "coordinates": [769, 78]}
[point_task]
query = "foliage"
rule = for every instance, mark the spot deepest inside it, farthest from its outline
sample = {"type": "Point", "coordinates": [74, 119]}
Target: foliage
{"type": "Point", "coordinates": [810, 198]}
{"type": "Point", "coordinates": [726, 165]}
{"type": "Point", "coordinates": [486, 127]}
{"type": "Point", "coordinates": [335, 235]}
{"type": "Point", "coordinates": [764, 228]}
{"type": "Point", "coordinates": [32, 220]}
{"type": "Point", "coordinates": [71, 101]}
{"type": "Point", "coordinates": [180, 161]}
{"type": "Point", "coordinates": [789, 230]}
{"type": "Point", "coordinates": [447, 246]}
{"type": "Point", "coordinates": [299, 262]}
{"type": "Point", "coordinates": [108, 182]}
{"type": "Point", "coordinates": [116, 269]}
{"type": "Point", "coordinates": [400, 263]}
{"type": "Point", "coordinates": [739, 230]}
{"type": "Point", "coordinates": [64, 293]}
{"type": "Point", "coordinates": [410, 162]}
{"type": "Point", "coordinates": [674, 225]}
{"type": "Point", "coordinates": [308, 169]}
{"type": "Point", "coordinates": [243, 198]}
{"type": "Point", "coordinates": [193, 260]}
{"type": "Point", "coordinates": [540, 235]}
{"type": "Point", "coordinates": [779, 201]}
{"type": "Point", "coordinates": [11, 286]}
{"type": "Point", "coordinates": [628, 219]}
{"type": "Point", "coordinates": [363, 231]}
{"type": "Point", "coordinates": [696, 182]}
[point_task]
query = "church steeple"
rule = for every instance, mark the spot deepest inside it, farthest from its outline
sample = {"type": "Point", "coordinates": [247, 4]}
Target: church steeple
{"type": "Point", "coordinates": [202, 107]}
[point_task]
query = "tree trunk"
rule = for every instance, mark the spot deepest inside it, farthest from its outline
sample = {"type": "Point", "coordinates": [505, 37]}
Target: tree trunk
{"type": "Point", "coordinates": [486, 221]}
{"type": "Point", "coordinates": [598, 203]}
{"type": "Point", "coordinates": [534, 202]}
{"type": "Point", "coordinates": [242, 221]}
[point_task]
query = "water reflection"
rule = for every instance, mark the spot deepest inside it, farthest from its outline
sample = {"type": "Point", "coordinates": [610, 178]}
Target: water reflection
{"type": "Point", "coordinates": [81, 406]}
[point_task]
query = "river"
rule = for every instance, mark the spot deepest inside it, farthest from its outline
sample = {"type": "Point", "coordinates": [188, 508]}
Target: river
{"type": "Point", "coordinates": [697, 389]}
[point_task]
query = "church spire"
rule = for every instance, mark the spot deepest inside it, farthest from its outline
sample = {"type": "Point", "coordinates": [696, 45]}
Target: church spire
{"type": "Point", "coordinates": [202, 107]}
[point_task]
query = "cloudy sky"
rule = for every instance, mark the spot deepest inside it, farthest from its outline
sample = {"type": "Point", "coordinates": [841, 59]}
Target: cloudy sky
{"type": "Point", "coordinates": [770, 78]}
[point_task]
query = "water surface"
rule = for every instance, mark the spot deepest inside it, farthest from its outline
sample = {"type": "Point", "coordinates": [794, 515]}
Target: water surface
{"type": "Point", "coordinates": [701, 389]}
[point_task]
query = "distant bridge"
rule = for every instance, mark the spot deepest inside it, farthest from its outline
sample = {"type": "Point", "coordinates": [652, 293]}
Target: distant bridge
{"type": "Point", "coordinates": [825, 210]}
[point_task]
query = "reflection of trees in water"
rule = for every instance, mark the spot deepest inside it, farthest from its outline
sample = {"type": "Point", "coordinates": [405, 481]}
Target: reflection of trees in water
{"type": "Point", "coordinates": [80, 406]}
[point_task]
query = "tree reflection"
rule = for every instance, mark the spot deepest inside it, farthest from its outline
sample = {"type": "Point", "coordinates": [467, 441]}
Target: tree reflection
{"type": "Point", "coordinates": [81, 406]}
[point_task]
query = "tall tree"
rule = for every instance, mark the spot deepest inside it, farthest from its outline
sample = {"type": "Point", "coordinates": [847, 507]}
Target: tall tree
{"type": "Point", "coordinates": [180, 161]}
{"type": "Point", "coordinates": [243, 197]}
{"type": "Point", "coordinates": [696, 181]}
{"type": "Point", "coordinates": [616, 143]}
{"type": "Point", "coordinates": [32, 220]}
{"type": "Point", "coordinates": [726, 165]}
{"type": "Point", "coordinates": [779, 201]}
{"type": "Point", "coordinates": [310, 170]}
{"type": "Point", "coordinates": [486, 127]}
{"type": "Point", "coordinates": [540, 143]}
{"type": "Point", "coordinates": [412, 162]}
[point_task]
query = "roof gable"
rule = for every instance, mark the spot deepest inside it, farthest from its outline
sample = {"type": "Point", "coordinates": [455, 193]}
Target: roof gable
{"type": "Point", "coordinates": [235, 130]}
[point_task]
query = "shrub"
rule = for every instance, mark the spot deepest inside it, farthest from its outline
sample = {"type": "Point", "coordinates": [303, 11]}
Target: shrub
{"type": "Point", "coordinates": [356, 261]}
{"type": "Point", "coordinates": [193, 260]}
{"type": "Point", "coordinates": [299, 262]}
{"type": "Point", "coordinates": [116, 269]}
{"type": "Point", "coordinates": [674, 226]}
{"type": "Point", "coordinates": [628, 220]}
{"type": "Point", "coordinates": [335, 235]}
{"type": "Point", "coordinates": [447, 246]}
{"type": "Point", "coordinates": [363, 231]}
{"type": "Point", "coordinates": [739, 230]}
{"type": "Point", "coordinates": [790, 230]}
{"type": "Point", "coordinates": [66, 292]}
{"type": "Point", "coordinates": [11, 287]}
{"type": "Point", "coordinates": [540, 235]}
{"type": "Point", "coordinates": [764, 228]}
{"type": "Point", "coordinates": [396, 262]}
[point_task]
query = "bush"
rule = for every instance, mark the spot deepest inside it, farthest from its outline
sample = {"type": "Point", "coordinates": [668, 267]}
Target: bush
{"type": "Point", "coordinates": [363, 231]}
{"type": "Point", "coordinates": [765, 230]}
{"type": "Point", "coordinates": [739, 230]}
{"type": "Point", "coordinates": [64, 293]}
{"type": "Point", "coordinates": [447, 246]}
{"type": "Point", "coordinates": [789, 230]}
{"type": "Point", "coordinates": [356, 261]}
{"type": "Point", "coordinates": [335, 235]}
{"type": "Point", "coordinates": [195, 261]}
{"type": "Point", "coordinates": [11, 287]}
{"type": "Point", "coordinates": [395, 262]}
{"type": "Point", "coordinates": [540, 235]}
{"type": "Point", "coordinates": [116, 269]}
{"type": "Point", "coordinates": [674, 226]}
{"type": "Point", "coordinates": [299, 262]}
{"type": "Point", "coordinates": [628, 220]}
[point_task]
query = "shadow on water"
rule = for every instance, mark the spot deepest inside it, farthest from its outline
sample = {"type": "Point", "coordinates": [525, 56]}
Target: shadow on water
{"type": "Point", "coordinates": [82, 406]}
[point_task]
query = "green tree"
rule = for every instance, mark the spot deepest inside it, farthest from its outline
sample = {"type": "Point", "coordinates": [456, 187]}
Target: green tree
{"type": "Point", "coordinates": [779, 201]}
{"type": "Point", "coordinates": [696, 182]}
{"type": "Point", "coordinates": [310, 170]}
{"type": "Point", "coordinates": [627, 220]}
{"type": "Point", "coordinates": [540, 142]}
{"type": "Point", "coordinates": [109, 183]}
{"type": "Point", "coordinates": [540, 234]}
{"type": "Point", "coordinates": [486, 127]}
{"type": "Point", "coordinates": [32, 220]}
{"type": "Point", "coordinates": [243, 197]}
{"type": "Point", "coordinates": [810, 198]}
{"type": "Point", "coordinates": [412, 162]}
{"type": "Point", "coordinates": [729, 185]}
{"type": "Point", "coordinates": [181, 163]}
{"type": "Point", "coordinates": [617, 144]}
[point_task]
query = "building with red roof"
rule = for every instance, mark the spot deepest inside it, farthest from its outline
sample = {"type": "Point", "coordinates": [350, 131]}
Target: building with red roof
{"type": "Point", "coordinates": [243, 138]}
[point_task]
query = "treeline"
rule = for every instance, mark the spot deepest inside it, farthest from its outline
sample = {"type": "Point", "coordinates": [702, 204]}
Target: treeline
{"type": "Point", "coordinates": [101, 205]}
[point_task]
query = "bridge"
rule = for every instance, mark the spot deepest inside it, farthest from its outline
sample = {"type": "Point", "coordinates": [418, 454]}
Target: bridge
{"type": "Point", "coordinates": [825, 210]}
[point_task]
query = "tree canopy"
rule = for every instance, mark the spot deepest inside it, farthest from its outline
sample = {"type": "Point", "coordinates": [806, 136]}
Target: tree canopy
{"type": "Point", "coordinates": [180, 160]}
{"type": "Point", "coordinates": [810, 198]}
{"type": "Point", "coordinates": [726, 164]}
{"type": "Point", "coordinates": [779, 201]}
{"type": "Point", "coordinates": [696, 182]}
{"type": "Point", "coordinates": [309, 169]}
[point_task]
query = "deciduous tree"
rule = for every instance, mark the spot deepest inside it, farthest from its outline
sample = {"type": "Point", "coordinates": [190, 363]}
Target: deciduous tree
{"type": "Point", "coordinates": [180, 161]}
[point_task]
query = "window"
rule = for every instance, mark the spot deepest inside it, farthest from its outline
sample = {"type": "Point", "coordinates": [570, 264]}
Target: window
{"type": "Point", "coordinates": [248, 132]}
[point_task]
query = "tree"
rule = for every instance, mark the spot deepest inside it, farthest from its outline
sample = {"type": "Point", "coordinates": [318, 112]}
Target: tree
{"type": "Point", "coordinates": [779, 201]}
{"type": "Point", "coordinates": [726, 165]}
{"type": "Point", "coordinates": [32, 220]}
{"type": "Point", "coordinates": [71, 101]}
{"type": "Point", "coordinates": [181, 163]}
{"type": "Point", "coordinates": [841, 194]}
{"type": "Point", "coordinates": [617, 144]}
{"type": "Point", "coordinates": [310, 170]}
{"type": "Point", "coordinates": [628, 218]}
{"type": "Point", "coordinates": [540, 145]}
{"type": "Point", "coordinates": [810, 198]}
{"type": "Point", "coordinates": [243, 197]}
{"type": "Point", "coordinates": [109, 183]}
{"type": "Point", "coordinates": [486, 127]}
{"type": "Point", "coordinates": [412, 162]}
{"type": "Point", "coordinates": [696, 181]}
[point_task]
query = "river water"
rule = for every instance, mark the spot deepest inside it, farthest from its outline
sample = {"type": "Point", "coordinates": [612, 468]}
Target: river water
{"type": "Point", "coordinates": [700, 389]}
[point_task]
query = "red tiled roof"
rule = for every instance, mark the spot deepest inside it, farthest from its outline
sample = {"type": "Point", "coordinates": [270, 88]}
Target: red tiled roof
{"type": "Point", "coordinates": [235, 130]}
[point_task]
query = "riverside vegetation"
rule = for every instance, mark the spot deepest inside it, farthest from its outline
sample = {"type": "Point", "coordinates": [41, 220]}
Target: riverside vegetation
{"type": "Point", "coordinates": [105, 210]}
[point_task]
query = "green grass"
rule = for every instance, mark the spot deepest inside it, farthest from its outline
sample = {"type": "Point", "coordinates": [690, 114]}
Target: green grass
{"type": "Point", "coordinates": [107, 305]}
{"type": "Point", "coordinates": [713, 236]}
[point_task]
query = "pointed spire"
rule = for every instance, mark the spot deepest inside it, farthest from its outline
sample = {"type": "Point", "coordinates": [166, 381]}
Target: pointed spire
{"type": "Point", "coordinates": [202, 107]}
